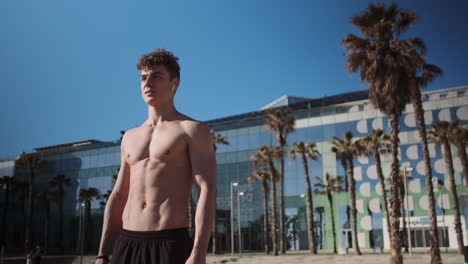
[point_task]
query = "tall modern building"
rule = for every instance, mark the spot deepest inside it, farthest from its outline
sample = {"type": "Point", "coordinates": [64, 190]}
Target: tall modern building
{"type": "Point", "coordinates": [92, 164]}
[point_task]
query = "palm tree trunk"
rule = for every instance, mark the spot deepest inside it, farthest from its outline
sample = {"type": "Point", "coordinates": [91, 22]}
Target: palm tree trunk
{"type": "Point", "coordinates": [28, 240]}
{"type": "Point", "coordinates": [456, 208]}
{"type": "Point", "coordinates": [273, 208]}
{"type": "Point", "coordinates": [84, 229]}
{"type": "Point", "coordinates": [352, 193]}
{"type": "Point", "coordinates": [378, 164]}
{"type": "Point", "coordinates": [343, 163]}
{"type": "Point", "coordinates": [395, 241]}
{"type": "Point", "coordinates": [462, 156]}
{"type": "Point", "coordinates": [5, 210]}
{"type": "Point", "coordinates": [60, 233]}
{"type": "Point", "coordinates": [434, 233]}
{"type": "Point", "coordinates": [282, 211]}
{"type": "Point", "coordinates": [330, 201]}
{"type": "Point", "coordinates": [321, 229]}
{"type": "Point", "coordinates": [80, 231]}
{"type": "Point", "coordinates": [310, 208]}
{"type": "Point", "coordinates": [46, 226]}
{"type": "Point", "coordinates": [265, 216]}
{"type": "Point", "coordinates": [24, 213]}
{"type": "Point", "coordinates": [88, 231]}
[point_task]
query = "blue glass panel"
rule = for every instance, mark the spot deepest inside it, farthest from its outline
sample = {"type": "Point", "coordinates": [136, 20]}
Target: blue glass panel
{"type": "Point", "coordinates": [344, 223]}
{"type": "Point", "coordinates": [264, 139]}
{"type": "Point", "coordinates": [377, 219]}
{"type": "Point", "coordinates": [314, 134]}
{"type": "Point", "coordinates": [343, 218]}
{"type": "Point", "coordinates": [290, 188]}
{"type": "Point", "coordinates": [342, 128]}
{"type": "Point", "coordinates": [293, 137]}
{"type": "Point", "coordinates": [234, 143]}
{"type": "Point", "coordinates": [330, 131]}
{"type": "Point", "coordinates": [438, 209]}
{"type": "Point", "coordinates": [315, 170]}
{"type": "Point", "coordinates": [340, 171]}
{"type": "Point", "coordinates": [241, 142]}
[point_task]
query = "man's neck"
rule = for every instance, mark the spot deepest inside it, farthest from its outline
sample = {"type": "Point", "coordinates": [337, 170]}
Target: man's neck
{"type": "Point", "coordinates": [159, 113]}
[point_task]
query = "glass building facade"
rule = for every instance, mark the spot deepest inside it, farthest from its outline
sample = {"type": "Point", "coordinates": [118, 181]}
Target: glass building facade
{"type": "Point", "coordinates": [92, 164]}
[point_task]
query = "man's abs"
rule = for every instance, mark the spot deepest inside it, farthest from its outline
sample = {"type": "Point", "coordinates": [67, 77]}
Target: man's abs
{"type": "Point", "coordinates": [158, 196]}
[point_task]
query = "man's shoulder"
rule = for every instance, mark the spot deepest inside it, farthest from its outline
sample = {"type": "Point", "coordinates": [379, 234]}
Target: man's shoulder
{"type": "Point", "coordinates": [132, 130]}
{"type": "Point", "coordinates": [195, 129]}
{"type": "Point", "coordinates": [129, 133]}
{"type": "Point", "coordinates": [131, 136]}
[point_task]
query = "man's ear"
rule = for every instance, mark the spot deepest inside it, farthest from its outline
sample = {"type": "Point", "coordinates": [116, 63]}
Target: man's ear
{"type": "Point", "coordinates": [175, 85]}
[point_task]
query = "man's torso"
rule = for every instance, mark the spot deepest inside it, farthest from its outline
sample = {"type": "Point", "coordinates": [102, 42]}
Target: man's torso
{"type": "Point", "coordinates": [160, 176]}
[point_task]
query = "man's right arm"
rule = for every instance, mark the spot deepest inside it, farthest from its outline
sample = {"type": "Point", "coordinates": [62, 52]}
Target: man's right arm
{"type": "Point", "coordinates": [112, 222]}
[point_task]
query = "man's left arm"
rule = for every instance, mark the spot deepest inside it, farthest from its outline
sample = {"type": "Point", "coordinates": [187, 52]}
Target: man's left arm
{"type": "Point", "coordinates": [203, 162]}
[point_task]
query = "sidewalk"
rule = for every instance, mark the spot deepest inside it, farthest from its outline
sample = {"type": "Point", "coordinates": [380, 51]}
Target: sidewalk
{"type": "Point", "coordinates": [417, 258]}
{"type": "Point", "coordinates": [290, 258]}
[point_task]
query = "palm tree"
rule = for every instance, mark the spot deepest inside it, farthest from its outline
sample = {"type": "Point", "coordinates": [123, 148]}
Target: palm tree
{"type": "Point", "coordinates": [114, 176]}
{"type": "Point", "coordinates": [320, 210]}
{"type": "Point", "coordinates": [401, 192]}
{"type": "Point", "coordinates": [307, 150]}
{"type": "Point", "coordinates": [422, 74]}
{"type": "Point", "coordinates": [401, 187]}
{"type": "Point", "coordinates": [5, 182]}
{"type": "Point", "coordinates": [263, 176]}
{"type": "Point", "coordinates": [291, 222]}
{"type": "Point", "coordinates": [86, 196]}
{"type": "Point", "coordinates": [31, 163]}
{"type": "Point", "coordinates": [331, 185]}
{"type": "Point", "coordinates": [280, 121]}
{"type": "Point", "coordinates": [59, 182]}
{"type": "Point", "coordinates": [459, 138]}
{"type": "Point", "coordinates": [21, 188]}
{"type": "Point", "coordinates": [46, 197]}
{"type": "Point", "coordinates": [264, 156]}
{"type": "Point", "coordinates": [217, 139]}
{"type": "Point", "coordinates": [387, 63]}
{"type": "Point", "coordinates": [104, 199]}
{"type": "Point", "coordinates": [122, 133]}
{"type": "Point", "coordinates": [376, 144]}
{"type": "Point", "coordinates": [440, 134]}
{"type": "Point", "coordinates": [346, 149]}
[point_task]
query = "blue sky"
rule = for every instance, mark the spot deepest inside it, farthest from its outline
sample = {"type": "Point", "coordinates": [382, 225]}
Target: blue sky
{"type": "Point", "coordinates": [67, 68]}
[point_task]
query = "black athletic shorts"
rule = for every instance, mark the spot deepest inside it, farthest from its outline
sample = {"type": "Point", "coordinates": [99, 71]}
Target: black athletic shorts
{"type": "Point", "coordinates": [170, 246]}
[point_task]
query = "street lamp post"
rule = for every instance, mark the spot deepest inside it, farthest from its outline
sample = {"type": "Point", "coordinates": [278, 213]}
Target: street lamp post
{"type": "Point", "coordinates": [239, 194]}
{"type": "Point", "coordinates": [407, 169]}
{"type": "Point", "coordinates": [232, 184]}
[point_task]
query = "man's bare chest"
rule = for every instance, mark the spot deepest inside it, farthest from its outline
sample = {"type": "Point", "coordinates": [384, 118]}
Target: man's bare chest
{"type": "Point", "coordinates": [157, 145]}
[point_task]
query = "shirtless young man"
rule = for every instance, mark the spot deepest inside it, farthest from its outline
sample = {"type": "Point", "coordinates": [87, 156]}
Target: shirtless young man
{"type": "Point", "coordinates": [144, 219]}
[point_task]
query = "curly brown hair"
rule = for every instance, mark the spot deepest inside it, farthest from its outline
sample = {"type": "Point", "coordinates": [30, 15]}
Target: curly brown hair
{"type": "Point", "coordinates": [160, 57]}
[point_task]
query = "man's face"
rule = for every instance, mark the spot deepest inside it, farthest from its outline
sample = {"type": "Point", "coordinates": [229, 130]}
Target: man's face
{"type": "Point", "coordinates": [157, 86]}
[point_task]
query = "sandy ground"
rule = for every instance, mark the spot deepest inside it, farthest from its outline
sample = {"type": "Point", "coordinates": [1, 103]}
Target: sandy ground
{"type": "Point", "coordinates": [291, 258]}
{"type": "Point", "coordinates": [331, 259]}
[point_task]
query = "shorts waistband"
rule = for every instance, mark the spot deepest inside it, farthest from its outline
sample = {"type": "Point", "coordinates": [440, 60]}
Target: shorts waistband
{"type": "Point", "coordinates": [176, 233]}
